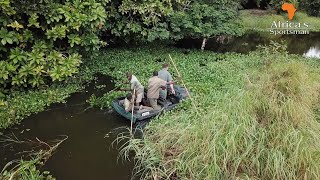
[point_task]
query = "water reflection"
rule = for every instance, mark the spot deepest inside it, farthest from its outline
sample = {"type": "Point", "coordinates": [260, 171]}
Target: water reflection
{"type": "Point", "coordinates": [313, 52]}
{"type": "Point", "coordinates": [308, 45]}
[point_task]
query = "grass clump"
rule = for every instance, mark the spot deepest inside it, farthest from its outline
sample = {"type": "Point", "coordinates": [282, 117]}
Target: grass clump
{"type": "Point", "coordinates": [27, 170]}
{"type": "Point", "coordinates": [260, 125]}
{"type": "Point", "coordinates": [282, 100]}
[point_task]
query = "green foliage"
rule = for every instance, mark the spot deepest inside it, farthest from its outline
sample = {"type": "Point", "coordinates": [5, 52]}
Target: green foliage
{"type": "Point", "coordinates": [270, 4]}
{"type": "Point", "coordinates": [206, 19]}
{"type": "Point", "coordinates": [41, 41]}
{"type": "Point", "coordinates": [27, 171]}
{"type": "Point", "coordinates": [163, 20]}
{"type": "Point", "coordinates": [105, 100]}
{"type": "Point", "coordinates": [21, 104]}
{"type": "Point", "coordinates": [119, 61]}
{"type": "Point", "coordinates": [30, 68]}
{"type": "Point", "coordinates": [275, 47]}
{"type": "Point", "coordinates": [311, 6]}
{"type": "Point", "coordinates": [256, 22]}
{"type": "Point", "coordinates": [277, 5]}
{"type": "Point", "coordinates": [140, 19]}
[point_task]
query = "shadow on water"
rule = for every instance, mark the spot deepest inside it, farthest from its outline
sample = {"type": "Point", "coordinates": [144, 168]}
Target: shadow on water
{"type": "Point", "coordinates": [87, 153]}
{"type": "Point", "coordinates": [308, 45]}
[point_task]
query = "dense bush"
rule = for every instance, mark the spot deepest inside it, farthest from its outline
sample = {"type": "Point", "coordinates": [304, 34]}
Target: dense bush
{"type": "Point", "coordinates": [163, 20]}
{"type": "Point", "coordinates": [43, 41]}
{"type": "Point", "coordinates": [205, 19]}
{"type": "Point", "coordinates": [311, 6]}
{"type": "Point", "coordinates": [139, 20]}
{"type": "Point", "coordinates": [268, 4]}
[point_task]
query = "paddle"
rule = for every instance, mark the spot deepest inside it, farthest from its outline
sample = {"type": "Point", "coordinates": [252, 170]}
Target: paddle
{"type": "Point", "coordinates": [193, 103]}
{"type": "Point", "coordinates": [133, 96]}
{"type": "Point", "coordinates": [114, 89]}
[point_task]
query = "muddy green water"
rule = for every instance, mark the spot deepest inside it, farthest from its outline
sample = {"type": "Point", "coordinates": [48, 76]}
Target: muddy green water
{"type": "Point", "coordinates": [87, 153]}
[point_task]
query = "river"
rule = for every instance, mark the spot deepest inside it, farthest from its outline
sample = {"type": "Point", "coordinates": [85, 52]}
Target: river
{"type": "Point", "coordinates": [307, 45]}
{"type": "Point", "coordinates": [88, 152]}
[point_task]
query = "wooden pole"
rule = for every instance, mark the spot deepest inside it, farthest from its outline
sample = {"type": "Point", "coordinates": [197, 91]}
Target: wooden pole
{"type": "Point", "coordinates": [204, 42]}
{"type": "Point", "coordinates": [184, 85]}
{"type": "Point", "coordinates": [114, 89]}
{"type": "Point", "coordinates": [133, 96]}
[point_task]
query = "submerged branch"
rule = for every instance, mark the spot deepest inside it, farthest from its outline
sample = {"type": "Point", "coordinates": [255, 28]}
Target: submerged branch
{"type": "Point", "coordinates": [41, 156]}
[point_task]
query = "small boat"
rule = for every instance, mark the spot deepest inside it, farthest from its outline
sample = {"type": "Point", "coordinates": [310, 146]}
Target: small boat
{"type": "Point", "coordinates": [171, 102]}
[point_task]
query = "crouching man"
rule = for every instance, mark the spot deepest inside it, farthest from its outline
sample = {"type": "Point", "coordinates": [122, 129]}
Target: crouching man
{"type": "Point", "coordinates": [154, 86]}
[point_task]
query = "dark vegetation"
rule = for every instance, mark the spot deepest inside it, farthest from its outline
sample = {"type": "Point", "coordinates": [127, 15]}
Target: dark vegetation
{"type": "Point", "coordinates": [312, 7]}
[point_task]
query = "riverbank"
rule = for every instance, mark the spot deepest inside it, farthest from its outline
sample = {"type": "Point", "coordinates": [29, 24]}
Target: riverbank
{"type": "Point", "coordinates": [261, 20]}
{"type": "Point", "coordinates": [256, 115]}
{"type": "Point", "coordinates": [21, 104]}
{"type": "Point", "coordinates": [84, 127]}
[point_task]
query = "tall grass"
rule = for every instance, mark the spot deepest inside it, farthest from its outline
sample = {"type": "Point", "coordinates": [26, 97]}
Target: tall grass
{"type": "Point", "coordinates": [263, 129]}
{"type": "Point", "coordinates": [264, 21]}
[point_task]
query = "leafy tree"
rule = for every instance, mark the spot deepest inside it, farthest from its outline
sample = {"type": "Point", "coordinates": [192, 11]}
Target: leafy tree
{"type": "Point", "coordinates": [269, 4]}
{"type": "Point", "coordinates": [205, 19]}
{"type": "Point", "coordinates": [140, 20]}
{"type": "Point", "coordinates": [44, 40]}
{"type": "Point", "coordinates": [163, 19]}
{"type": "Point", "coordinates": [311, 6]}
